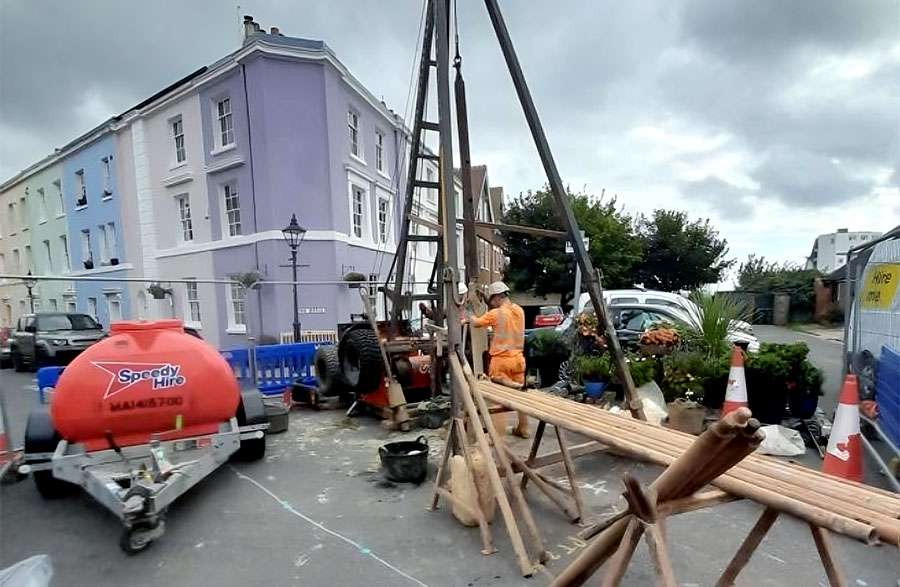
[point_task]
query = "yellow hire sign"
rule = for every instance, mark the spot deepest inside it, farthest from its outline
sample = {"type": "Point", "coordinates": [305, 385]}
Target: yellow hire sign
{"type": "Point", "coordinates": [880, 285]}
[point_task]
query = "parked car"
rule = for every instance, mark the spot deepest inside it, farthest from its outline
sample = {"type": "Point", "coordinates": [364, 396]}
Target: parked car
{"type": "Point", "coordinates": [631, 320]}
{"type": "Point", "coordinates": [666, 299]}
{"type": "Point", "coordinates": [52, 339]}
{"type": "Point", "coordinates": [5, 355]}
{"type": "Point", "coordinates": [549, 316]}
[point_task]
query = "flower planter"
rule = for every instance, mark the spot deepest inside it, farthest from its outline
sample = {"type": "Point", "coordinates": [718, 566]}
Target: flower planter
{"type": "Point", "coordinates": [594, 389]}
{"type": "Point", "coordinates": [686, 416]}
{"type": "Point", "coordinates": [655, 349]}
{"type": "Point", "coordinates": [802, 406]}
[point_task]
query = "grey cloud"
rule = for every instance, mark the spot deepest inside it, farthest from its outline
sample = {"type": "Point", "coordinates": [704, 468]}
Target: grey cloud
{"type": "Point", "coordinates": [767, 30]}
{"type": "Point", "coordinates": [805, 179]}
{"type": "Point", "coordinates": [732, 202]}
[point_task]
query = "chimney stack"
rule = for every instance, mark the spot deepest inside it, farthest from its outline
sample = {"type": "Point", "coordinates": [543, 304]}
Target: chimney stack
{"type": "Point", "coordinates": [249, 26]}
{"type": "Point", "coordinates": [274, 31]}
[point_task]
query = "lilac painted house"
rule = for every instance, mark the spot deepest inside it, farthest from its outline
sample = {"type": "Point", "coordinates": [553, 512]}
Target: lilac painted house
{"type": "Point", "coordinates": [216, 164]}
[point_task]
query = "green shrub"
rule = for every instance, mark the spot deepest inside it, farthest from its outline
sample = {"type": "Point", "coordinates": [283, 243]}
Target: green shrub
{"type": "Point", "coordinates": [784, 367]}
{"type": "Point", "coordinates": [548, 344]}
{"type": "Point", "coordinates": [704, 377]}
{"type": "Point", "coordinates": [591, 367]}
{"type": "Point", "coordinates": [712, 320]}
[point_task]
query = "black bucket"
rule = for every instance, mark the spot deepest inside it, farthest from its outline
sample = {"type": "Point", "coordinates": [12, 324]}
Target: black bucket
{"type": "Point", "coordinates": [405, 462]}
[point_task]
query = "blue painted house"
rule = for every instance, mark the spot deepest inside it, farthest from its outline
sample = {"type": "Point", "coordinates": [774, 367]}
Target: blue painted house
{"type": "Point", "coordinates": [92, 205]}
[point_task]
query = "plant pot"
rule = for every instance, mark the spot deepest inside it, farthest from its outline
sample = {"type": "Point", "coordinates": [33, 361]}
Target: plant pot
{"type": "Point", "coordinates": [686, 416]}
{"type": "Point", "coordinates": [549, 371]}
{"type": "Point", "coordinates": [655, 349]}
{"type": "Point", "coordinates": [594, 389]}
{"type": "Point", "coordinates": [803, 405]}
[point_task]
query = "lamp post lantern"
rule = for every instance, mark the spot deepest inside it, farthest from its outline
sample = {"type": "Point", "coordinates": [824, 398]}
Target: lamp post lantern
{"type": "Point", "coordinates": [293, 236]}
{"type": "Point", "coordinates": [30, 282]}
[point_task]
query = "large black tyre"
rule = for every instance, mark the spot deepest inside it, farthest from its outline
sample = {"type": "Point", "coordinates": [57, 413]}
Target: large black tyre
{"type": "Point", "coordinates": [328, 371]}
{"type": "Point", "coordinates": [40, 437]}
{"type": "Point", "coordinates": [251, 411]}
{"type": "Point", "coordinates": [361, 362]}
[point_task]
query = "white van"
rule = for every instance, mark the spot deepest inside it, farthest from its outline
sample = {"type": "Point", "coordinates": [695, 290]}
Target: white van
{"type": "Point", "coordinates": [655, 298]}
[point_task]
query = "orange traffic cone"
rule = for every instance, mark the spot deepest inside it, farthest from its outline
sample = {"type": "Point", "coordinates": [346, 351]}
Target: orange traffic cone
{"type": "Point", "coordinates": [843, 457]}
{"type": "Point", "coordinates": [736, 392]}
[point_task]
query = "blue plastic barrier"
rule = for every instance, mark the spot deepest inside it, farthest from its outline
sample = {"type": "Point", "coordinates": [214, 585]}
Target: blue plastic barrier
{"type": "Point", "coordinates": [887, 393]}
{"type": "Point", "coordinates": [278, 366]}
{"type": "Point", "coordinates": [46, 382]}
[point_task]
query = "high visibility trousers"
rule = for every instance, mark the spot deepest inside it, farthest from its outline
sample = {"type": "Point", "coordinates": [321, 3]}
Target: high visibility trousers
{"type": "Point", "coordinates": [513, 368]}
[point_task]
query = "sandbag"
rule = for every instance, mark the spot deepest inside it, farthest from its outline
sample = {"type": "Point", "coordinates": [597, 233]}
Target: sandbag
{"type": "Point", "coordinates": [486, 496]}
{"type": "Point", "coordinates": [463, 489]}
{"type": "Point", "coordinates": [781, 441]}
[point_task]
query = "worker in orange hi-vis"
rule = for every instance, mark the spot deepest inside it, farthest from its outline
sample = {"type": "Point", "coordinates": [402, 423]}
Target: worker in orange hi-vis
{"type": "Point", "coordinates": [507, 358]}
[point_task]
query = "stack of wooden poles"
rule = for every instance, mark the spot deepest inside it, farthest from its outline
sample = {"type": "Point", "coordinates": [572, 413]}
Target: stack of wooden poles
{"type": "Point", "coordinates": [852, 509]}
{"type": "Point", "coordinates": [718, 449]}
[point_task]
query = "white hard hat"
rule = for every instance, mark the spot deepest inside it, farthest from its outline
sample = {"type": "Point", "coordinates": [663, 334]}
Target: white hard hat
{"type": "Point", "coordinates": [463, 290]}
{"type": "Point", "coordinates": [497, 288]}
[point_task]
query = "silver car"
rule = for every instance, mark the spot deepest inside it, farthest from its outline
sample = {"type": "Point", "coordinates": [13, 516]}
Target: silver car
{"type": "Point", "coordinates": [52, 339]}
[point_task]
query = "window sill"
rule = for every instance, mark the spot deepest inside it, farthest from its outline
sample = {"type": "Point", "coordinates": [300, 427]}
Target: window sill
{"type": "Point", "coordinates": [358, 159]}
{"type": "Point", "coordinates": [236, 330]}
{"type": "Point", "coordinates": [384, 175]}
{"type": "Point", "coordinates": [178, 165]}
{"type": "Point", "coordinates": [194, 325]}
{"type": "Point", "coordinates": [106, 198]}
{"type": "Point", "coordinates": [220, 150]}
{"type": "Point", "coordinates": [62, 215]}
{"type": "Point", "coordinates": [77, 208]}
{"type": "Point", "coordinates": [44, 221]}
{"type": "Point", "coordinates": [24, 228]}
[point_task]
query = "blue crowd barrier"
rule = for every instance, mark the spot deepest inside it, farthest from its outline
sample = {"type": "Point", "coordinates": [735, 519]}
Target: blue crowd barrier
{"type": "Point", "coordinates": [887, 393]}
{"type": "Point", "coordinates": [278, 366]}
{"type": "Point", "coordinates": [46, 382]}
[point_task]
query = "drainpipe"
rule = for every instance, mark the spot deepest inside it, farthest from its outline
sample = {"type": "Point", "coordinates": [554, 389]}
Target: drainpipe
{"type": "Point", "coordinates": [252, 190]}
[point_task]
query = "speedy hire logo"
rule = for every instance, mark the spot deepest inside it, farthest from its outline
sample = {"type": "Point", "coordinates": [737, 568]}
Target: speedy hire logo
{"type": "Point", "coordinates": [125, 375]}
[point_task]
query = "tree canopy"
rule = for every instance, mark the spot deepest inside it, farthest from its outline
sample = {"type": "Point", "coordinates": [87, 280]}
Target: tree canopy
{"type": "Point", "coordinates": [666, 251]}
{"type": "Point", "coordinates": [541, 265]}
{"type": "Point", "coordinates": [680, 254]}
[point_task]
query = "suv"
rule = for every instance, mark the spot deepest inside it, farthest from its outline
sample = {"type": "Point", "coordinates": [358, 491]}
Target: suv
{"type": "Point", "coordinates": [52, 338]}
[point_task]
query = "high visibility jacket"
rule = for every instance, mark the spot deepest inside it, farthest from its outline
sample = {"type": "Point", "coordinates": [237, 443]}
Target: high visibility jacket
{"type": "Point", "coordinates": [508, 322]}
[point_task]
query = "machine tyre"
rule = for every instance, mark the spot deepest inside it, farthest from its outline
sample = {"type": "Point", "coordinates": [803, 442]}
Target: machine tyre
{"type": "Point", "coordinates": [40, 437]}
{"type": "Point", "coordinates": [17, 361]}
{"type": "Point", "coordinates": [328, 371]}
{"type": "Point", "coordinates": [133, 540]}
{"type": "Point", "coordinates": [251, 411]}
{"type": "Point", "coordinates": [361, 362]}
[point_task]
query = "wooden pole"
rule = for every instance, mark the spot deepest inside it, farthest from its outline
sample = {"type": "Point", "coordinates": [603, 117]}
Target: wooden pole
{"type": "Point", "coordinates": [659, 554]}
{"type": "Point", "coordinates": [823, 545]}
{"type": "Point", "coordinates": [535, 445]}
{"type": "Point", "coordinates": [509, 519]}
{"type": "Point", "coordinates": [742, 556]}
{"type": "Point", "coordinates": [618, 564]}
{"type": "Point", "coordinates": [593, 557]}
{"type": "Point", "coordinates": [570, 473]}
{"type": "Point", "coordinates": [698, 501]}
{"type": "Point", "coordinates": [543, 486]}
{"type": "Point", "coordinates": [502, 452]}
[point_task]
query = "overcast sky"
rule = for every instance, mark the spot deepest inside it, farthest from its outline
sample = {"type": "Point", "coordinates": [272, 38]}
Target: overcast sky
{"type": "Point", "coordinates": [779, 120]}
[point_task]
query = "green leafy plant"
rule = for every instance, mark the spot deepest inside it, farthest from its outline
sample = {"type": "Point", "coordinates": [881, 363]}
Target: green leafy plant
{"type": "Point", "coordinates": [591, 367]}
{"type": "Point", "coordinates": [712, 320]}
{"type": "Point", "coordinates": [248, 279]}
{"type": "Point", "coordinates": [696, 376]}
{"type": "Point", "coordinates": [548, 344]}
{"type": "Point", "coordinates": [785, 367]}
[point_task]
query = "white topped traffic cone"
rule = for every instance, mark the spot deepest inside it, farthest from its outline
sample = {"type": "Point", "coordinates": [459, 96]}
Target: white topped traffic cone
{"type": "Point", "coordinates": [736, 392]}
{"type": "Point", "coordinates": [843, 457]}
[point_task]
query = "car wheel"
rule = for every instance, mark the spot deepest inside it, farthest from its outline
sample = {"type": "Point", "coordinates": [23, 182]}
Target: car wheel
{"type": "Point", "coordinates": [18, 361]}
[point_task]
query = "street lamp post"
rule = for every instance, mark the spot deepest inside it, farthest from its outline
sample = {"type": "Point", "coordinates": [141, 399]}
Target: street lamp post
{"type": "Point", "coordinates": [30, 282]}
{"type": "Point", "coordinates": [293, 236]}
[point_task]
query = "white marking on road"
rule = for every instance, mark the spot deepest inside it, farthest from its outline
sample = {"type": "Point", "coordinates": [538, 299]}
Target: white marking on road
{"type": "Point", "coordinates": [199, 545]}
{"type": "Point", "coordinates": [362, 549]}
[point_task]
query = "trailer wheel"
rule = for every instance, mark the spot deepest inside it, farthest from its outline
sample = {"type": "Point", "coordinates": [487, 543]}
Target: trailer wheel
{"type": "Point", "coordinates": [251, 411]}
{"type": "Point", "coordinates": [361, 361]}
{"type": "Point", "coordinates": [328, 371]}
{"type": "Point", "coordinates": [40, 437]}
{"type": "Point", "coordinates": [136, 538]}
